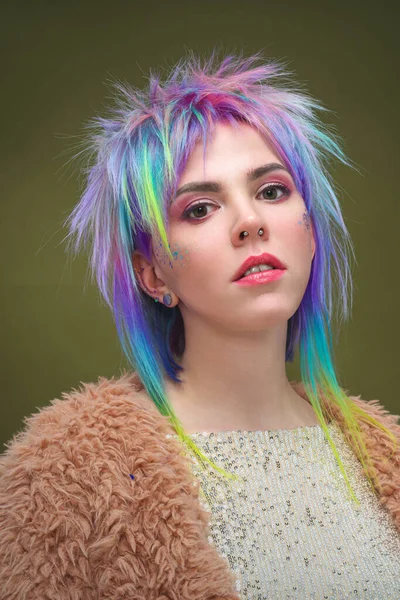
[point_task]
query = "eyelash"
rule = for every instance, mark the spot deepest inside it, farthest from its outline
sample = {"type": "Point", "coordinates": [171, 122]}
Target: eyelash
{"type": "Point", "coordinates": [284, 189]}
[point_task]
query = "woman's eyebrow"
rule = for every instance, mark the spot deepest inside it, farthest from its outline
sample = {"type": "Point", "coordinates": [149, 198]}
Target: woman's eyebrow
{"type": "Point", "coordinates": [214, 186]}
{"type": "Point", "coordinates": [199, 186]}
{"type": "Point", "coordinates": [264, 170]}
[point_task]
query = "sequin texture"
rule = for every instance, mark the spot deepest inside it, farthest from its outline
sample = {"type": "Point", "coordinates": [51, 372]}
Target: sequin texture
{"type": "Point", "coordinates": [289, 529]}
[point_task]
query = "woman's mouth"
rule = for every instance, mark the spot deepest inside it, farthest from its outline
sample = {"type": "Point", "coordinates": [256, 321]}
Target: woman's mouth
{"type": "Point", "coordinates": [261, 277]}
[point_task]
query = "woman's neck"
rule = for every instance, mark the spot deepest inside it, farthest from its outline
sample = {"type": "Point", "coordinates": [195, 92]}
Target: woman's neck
{"type": "Point", "coordinates": [237, 382]}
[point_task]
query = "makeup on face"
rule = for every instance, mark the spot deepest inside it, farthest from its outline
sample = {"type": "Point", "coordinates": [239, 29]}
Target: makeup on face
{"type": "Point", "coordinates": [260, 278]}
{"type": "Point", "coordinates": [180, 254]}
{"type": "Point", "coordinates": [306, 221]}
{"type": "Point", "coordinates": [178, 206]}
{"type": "Point", "coordinates": [213, 186]}
{"type": "Point", "coordinates": [232, 182]}
{"type": "Point", "coordinates": [186, 192]}
{"type": "Point", "coordinates": [181, 204]}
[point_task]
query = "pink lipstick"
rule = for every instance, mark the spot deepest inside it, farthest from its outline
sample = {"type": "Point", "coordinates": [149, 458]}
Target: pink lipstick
{"type": "Point", "coordinates": [261, 277]}
{"type": "Point", "coordinates": [261, 259]}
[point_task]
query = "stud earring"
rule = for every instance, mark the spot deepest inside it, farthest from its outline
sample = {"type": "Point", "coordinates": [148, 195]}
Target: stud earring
{"type": "Point", "coordinates": [167, 299]}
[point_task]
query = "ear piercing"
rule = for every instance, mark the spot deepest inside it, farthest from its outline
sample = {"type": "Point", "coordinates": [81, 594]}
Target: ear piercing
{"type": "Point", "coordinates": [167, 299]}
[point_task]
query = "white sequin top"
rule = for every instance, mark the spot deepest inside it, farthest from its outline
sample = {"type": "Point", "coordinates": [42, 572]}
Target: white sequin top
{"type": "Point", "coordinates": [290, 529]}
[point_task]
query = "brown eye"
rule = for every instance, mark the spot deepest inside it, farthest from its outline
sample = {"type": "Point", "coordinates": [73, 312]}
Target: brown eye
{"type": "Point", "coordinates": [270, 193]}
{"type": "Point", "coordinates": [196, 212]}
{"type": "Point", "coordinates": [199, 211]}
{"type": "Point", "coordinates": [274, 191]}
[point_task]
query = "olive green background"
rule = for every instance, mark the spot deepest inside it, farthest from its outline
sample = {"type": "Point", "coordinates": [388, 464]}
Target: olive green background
{"type": "Point", "coordinates": [57, 59]}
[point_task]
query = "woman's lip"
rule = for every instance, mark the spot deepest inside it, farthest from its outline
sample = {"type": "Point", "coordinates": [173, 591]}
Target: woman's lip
{"type": "Point", "coordinates": [260, 277]}
{"type": "Point", "coordinates": [261, 259]}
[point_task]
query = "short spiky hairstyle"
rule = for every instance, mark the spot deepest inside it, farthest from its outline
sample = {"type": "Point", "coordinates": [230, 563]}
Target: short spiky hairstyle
{"type": "Point", "coordinates": [139, 155]}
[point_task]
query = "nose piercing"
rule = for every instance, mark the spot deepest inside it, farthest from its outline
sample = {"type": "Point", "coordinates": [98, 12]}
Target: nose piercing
{"type": "Point", "coordinates": [246, 233]}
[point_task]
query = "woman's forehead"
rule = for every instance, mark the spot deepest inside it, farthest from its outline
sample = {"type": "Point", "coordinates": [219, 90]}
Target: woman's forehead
{"type": "Point", "coordinates": [228, 148]}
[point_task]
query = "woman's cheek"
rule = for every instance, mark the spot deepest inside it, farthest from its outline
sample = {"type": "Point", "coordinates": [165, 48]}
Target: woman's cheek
{"type": "Point", "coordinates": [305, 221]}
{"type": "Point", "coordinates": [304, 225]}
{"type": "Point", "coordinates": [181, 254]}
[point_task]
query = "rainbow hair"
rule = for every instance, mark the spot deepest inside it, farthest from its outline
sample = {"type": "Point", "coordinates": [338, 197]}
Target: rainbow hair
{"type": "Point", "coordinates": [136, 160]}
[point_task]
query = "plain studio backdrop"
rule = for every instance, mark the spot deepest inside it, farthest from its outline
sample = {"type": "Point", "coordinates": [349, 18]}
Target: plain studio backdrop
{"type": "Point", "coordinates": [58, 61]}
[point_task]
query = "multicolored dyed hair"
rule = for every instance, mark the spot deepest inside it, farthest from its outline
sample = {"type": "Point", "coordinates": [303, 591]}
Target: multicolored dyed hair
{"type": "Point", "coordinates": [136, 160]}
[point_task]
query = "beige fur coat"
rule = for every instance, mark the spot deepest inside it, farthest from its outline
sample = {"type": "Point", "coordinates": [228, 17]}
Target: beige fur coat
{"type": "Point", "coordinates": [96, 502]}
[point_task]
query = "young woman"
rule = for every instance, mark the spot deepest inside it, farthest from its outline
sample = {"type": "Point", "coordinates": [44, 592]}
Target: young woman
{"type": "Point", "coordinates": [218, 242]}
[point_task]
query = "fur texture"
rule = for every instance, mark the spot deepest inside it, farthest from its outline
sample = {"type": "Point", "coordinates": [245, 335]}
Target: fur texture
{"type": "Point", "coordinates": [96, 502]}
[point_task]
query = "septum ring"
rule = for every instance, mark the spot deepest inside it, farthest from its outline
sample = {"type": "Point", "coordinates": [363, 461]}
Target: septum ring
{"type": "Point", "coordinates": [260, 232]}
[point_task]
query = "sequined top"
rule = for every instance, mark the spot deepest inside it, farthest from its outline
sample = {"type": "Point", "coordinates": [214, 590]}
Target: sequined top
{"type": "Point", "coordinates": [290, 529]}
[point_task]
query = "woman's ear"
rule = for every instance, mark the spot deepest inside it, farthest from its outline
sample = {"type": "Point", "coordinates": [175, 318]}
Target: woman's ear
{"type": "Point", "coordinates": [148, 280]}
{"type": "Point", "coordinates": [145, 274]}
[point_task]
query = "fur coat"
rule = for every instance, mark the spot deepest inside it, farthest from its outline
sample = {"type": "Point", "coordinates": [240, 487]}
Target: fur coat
{"type": "Point", "coordinates": [97, 502]}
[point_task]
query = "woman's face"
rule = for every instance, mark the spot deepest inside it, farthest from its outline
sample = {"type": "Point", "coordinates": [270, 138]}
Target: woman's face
{"type": "Point", "coordinates": [205, 223]}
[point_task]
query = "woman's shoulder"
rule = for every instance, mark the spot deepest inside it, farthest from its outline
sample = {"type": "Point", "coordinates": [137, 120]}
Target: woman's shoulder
{"type": "Point", "coordinates": [377, 410]}
{"type": "Point", "coordinates": [94, 426]}
{"type": "Point", "coordinates": [109, 408]}
{"type": "Point", "coordinates": [374, 408]}
{"type": "Point", "coordinates": [81, 501]}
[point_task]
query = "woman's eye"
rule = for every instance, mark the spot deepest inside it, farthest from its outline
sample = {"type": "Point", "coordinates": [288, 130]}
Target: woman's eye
{"type": "Point", "coordinates": [196, 212]}
{"type": "Point", "coordinates": [274, 191]}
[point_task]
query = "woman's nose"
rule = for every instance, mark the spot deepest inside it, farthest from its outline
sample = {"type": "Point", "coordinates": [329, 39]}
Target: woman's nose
{"type": "Point", "coordinates": [249, 225]}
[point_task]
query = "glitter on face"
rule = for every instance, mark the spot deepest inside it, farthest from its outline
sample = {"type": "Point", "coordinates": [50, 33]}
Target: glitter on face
{"type": "Point", "coordinates": [306, 221]}
{"type": "Point", "coordinates": [180, 254]}
{"type": "Point", "coordinates": [288, 529]}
